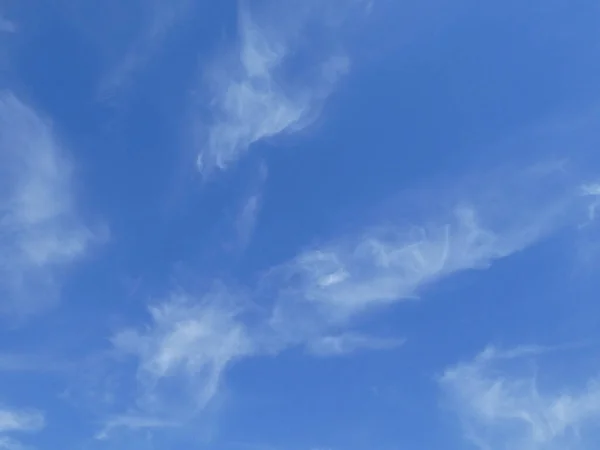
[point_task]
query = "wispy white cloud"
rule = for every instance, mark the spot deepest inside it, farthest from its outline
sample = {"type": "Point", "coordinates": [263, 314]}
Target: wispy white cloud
{"type": "Point", "coordinates": [250, 210]}
{"type": "Point", "coordinates": [592, 190]}
{"type": "Point", "coordinates": [254, 99]}
{"type": "Point", "coordinates": [39, 228]}
{"type": "Point", "coordinates": [384, 264]}
{"type": "Point", "coordinates": [311, 301]}
{"type": "Point", "coordinates": [17, 420]}
{"type": "Point", "coordinates": [190, 340]}
{"type": "Point", "coordinates": [346, 343]}
{"type": "Point", "coordinates": [7, 443]}
{"type": "Point", "coordinates": [502, 408]}
{"type": "Point", "coordinates": [182, 354]}
{"type": "Point", "coordinates": [247, 218]}
{"type": "Point", "coordinates": [133, 422]}
{"type": "Point", "coordinates": [12, 362]}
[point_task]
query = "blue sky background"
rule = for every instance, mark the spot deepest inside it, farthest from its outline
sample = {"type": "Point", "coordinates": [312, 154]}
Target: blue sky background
{"type": "Point", "coordinates": [300, 225]}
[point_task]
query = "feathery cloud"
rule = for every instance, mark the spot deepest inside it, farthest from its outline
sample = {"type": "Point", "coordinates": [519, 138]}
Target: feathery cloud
{"type": "Point", "coordinates": [246, 221]}
{"type": "Point", "coordinates": [18, 421]}
{"type": "Point", "coordinates": [190, 340]}
{"type": "Point", "coordinates": [7, 443]}
{"type": "Point", "coordinates": [250, 210]}
{"type": "Point", "coordinates": [255, 99]}
{"type": "Point", "coordinates": [15, 420]}
{"type": "Point", "coordinates": [310, 301]}
{"type": "Point", "coordinates": [592, 190]}
{"type": "Point", "coordinates": [500, 409]}
{"type": "Point", "coordinates": [381, 265]}
{"type": "Point", "coordinates": [132, 422]}
{"type": "Point", "coordinates": [39, 227]}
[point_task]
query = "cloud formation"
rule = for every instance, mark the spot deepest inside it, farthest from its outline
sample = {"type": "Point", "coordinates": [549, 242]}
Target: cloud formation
{"type": "Point", "coordinates": [247, 217]}
{"type": "Point", "coordinates": [190, 340]}
{"type": "Point", "coordinates": [335, 281]}
{"type": "Point", "coordinates": [15, 420]}
{"type": "Point", "coordinates": [592, 191]}
{"type": "Point", "coordinates": [132, 422]}
{"type": "Point", "coordinates": [502, 408]}
{"type": "Point", "coordinates": [40, 231]}
{"type": "Point", "coordinates": [383, 266]}
{"type": "Point", "coordinates": [255, 99]}
{"type": "Point", "coordinates": [312, 302]}
{"type": "Point", "coordinates": [18, 421]}
{"type": "Point", "coordinates": [347, 343]}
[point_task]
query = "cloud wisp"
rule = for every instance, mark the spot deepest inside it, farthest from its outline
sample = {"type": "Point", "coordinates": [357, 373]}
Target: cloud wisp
{"type": "Point", "coordinates": [254, 99]}
{"type": "Point", "coordinates": [160, 18]}
{"type": "Point", "coordinates": [380, 267]}
{"type": "Point", "coordinates": [501, 408]}
{"type": "Point", "coordinates": [14, 420]}
{"type": "Point", "coordinates": [40, 231]}
{"type": "Point", "coordinates": [312, 302]}
{"type": "Point", "coordinates": [247, 217]}
{"type": "Point", "coordinates": [183, 352]}
{"type": "Point", "coordinates": [18, 421]}
{"type": "Point", "coordinates": [181, 355]}
{"type": "Point", "coordinates": [133, 422]}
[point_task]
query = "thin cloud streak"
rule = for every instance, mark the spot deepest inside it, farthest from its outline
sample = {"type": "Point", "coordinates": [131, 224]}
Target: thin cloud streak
{"type": "Point", "coordinates": [132, 422]}
{"type": "Point", "coordinates": [348, 343]}
{"type": "Point", "coordinates": [163, 16]}
{"type": "Point", "coordinates": [7, 443]}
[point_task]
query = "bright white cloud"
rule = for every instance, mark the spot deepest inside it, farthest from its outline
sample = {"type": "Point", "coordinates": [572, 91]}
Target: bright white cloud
{"type": "Point", "coordinates": [254, 99]}
{"type": "Point", "coordinates": [501, 408]}
{"type": "Point", "coordinates": [39, 228]}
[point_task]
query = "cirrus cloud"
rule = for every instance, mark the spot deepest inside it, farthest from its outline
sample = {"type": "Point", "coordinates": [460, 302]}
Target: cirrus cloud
{"type": "Point", "coordinates": [40, 230]}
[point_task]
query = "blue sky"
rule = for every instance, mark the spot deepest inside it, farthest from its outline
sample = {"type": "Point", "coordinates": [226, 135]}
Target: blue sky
{"type": "Point", "coordinates": [300, 225]}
